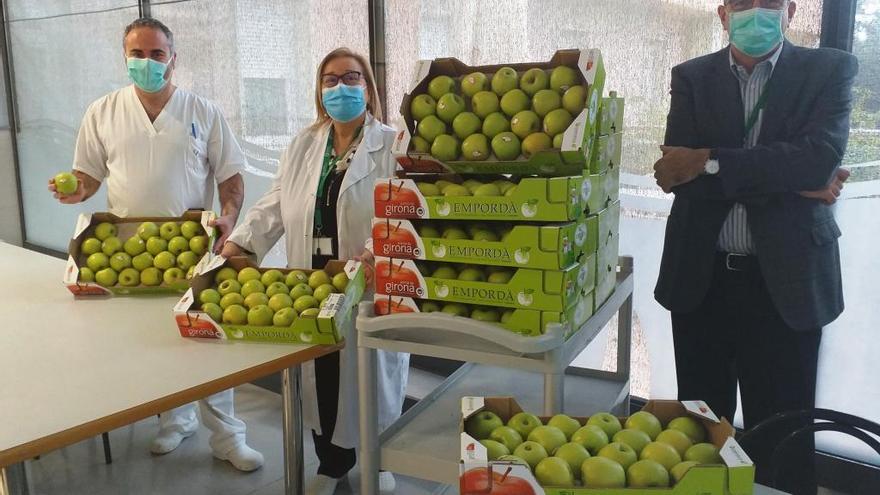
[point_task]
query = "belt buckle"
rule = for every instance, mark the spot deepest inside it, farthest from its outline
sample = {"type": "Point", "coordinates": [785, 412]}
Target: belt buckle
{"type": "Point", "coordinates": [727, 261]}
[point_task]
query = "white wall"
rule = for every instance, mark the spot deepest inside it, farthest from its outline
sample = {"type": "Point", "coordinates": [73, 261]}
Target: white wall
{"type": "Point", "coordinates": [10, 220]}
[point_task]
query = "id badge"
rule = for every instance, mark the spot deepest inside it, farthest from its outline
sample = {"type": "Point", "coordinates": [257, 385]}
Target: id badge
{"type": "Point", "coordinates": [322, 246]}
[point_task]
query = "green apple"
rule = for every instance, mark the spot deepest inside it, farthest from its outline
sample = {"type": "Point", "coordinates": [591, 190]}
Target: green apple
{"type": "Point", "coordinates": [106, 277]}
{"type": "Point", "coordinates": [303, 303]}
{"type": "Point", "coordinates": [276, 287]}
{"type": "Point", "coordinates": [514, 102]}
{"type": "Point", "coordinates": [318, 278]}
{"type": "Point", "coordinates": [66, 183]}
{"type": "Point", "coordinates": [440, 86]}
{"type": "Point", "coordinates": [574, 454]}
{"type": "Point", "coordinates": [591, 437]}
{"type": "Point", "coordinates": [489, 190]}
{"type": "Point", "coordinates": [494, 449]}
{"type": "Point", "coordinates": [225, 273]}
{"type": "Point", "coordinates": [524, 423]}
{"type": "Point", "coordinates": [209, 296]}
{"type": "Point", "coordinates": [471, 275]}
{"type": "Point", "coordinates": [637, 439]}
{"type": "Point", "coordinates": [481, 424]}
{"type": "Point", "coordinates": [86, 274]}
{"type": "Point", "coordinates": [214, 311]}
{"type": "Point", "coordinates": [506, 315]}
{"type": "Point", "coordinates": [507, 436]}
{"type": "Point", "coordinates": [235, 314]}
{"type": "Point", "coordinates": [510, 192]}
{"type": "Point", "coordinates": [120, 261]}
{"type": "Point", "coordinates": [455, 309]}
{"type": "Point", "coordinates": [557, 121]}
{"type": "Point", "coordinates": [422, 106]}
{"type": "Point", "coordinates": [323, 291]}
{"type": "Point", "coordinates": [199, 245]}
{"type": "Point", "coordinates": [340, 281]}
{"type": "Point", "coordinates": [575, 99]}
{"type": "Point", "coordinates": [251, 286]}
{"type": "Point", "coordinates": [269, 277]}
{"type": "Point", "coordinates": [295, 277]}
{"type": "Point", "coordinates": [260, 315]}
{"type": "Point", "coordinates": [620, 453]}
{"type": "Point", "coordinates": [485, 235]}
{"type": "Point", "coordinates": [555, 472]}
{"type": "Point", "coordinates": [473, 83]}
{"type": "Point", "coordinates": [231, 299]}
{"type": "Point", "coordinates": [190, 272]}
{"type": "Point", "coordinates": [506, 146]}
{"type": "Point", "coordinates": [229, 286]}
{"type": "Point", "coordinates": [446, 271]}
{"type": "Point", "coordinates": [178, 245]}
{"type": "Point", "coordinates": [280, 301]}
{"type": "Point", "coordinates": [147, 230]}
{"type": "Point", "coordinates": [550, 437]}
{"type": "Point", "coordinates": [557, 141]}
{"type": "Point", "coordinates": [704, 453]}
{"type": "Point", "coordinates": [456, 190]}
{"type": "Point", "coordinates": [129, 277]}
{"type": "Point", "coordinates": [90, 246]}
{"type": "Point", "coordinates": [525, 123]}
{"type": "Point", "coordinates": [494, 124]}
{"type": "Point", "coordinates": [534, 80]}
{"type": "Point", "coordinates": [506, 79]}
{"type": "Point", "coordinates": [475, 147]}
{"type": "Point", "coordinates": [678, 471]}
{"type": "Point", "coordinates": [485, 314]}
{"type": "Point", "coordinates": [472, 184]}
{"type": "Point", "coordinates": [169, 230]}
{"type": "Point", "coordinates": [566, 423]}
{"type": "Point", "coordinates": [310, 313]}
{"type": "Point", "coordinates": [445, 148]}
{"type": "Point", "coordinates": [142, 261]}
{"type": "Point", "coordinates": [134, 246]}
{"type": "Point", "coordinates": [173, 276]}
{"type": "Point", "coordinates": [164, 260]}
{"type": "Point", "coordinates": [533, 143]}
{"type": "Point", "coordinates": [428, 189]}
{"type": "Point", "coordinates": [156, 245]}
{"type": "Point", "coordinates": [430, 307]}
{"type": "Point", "coordinates": [514, 460]}
{"type": "Point", "coordinates": [190, 229]}
{"type": "Point", "coordinates": [601, 472]}
{"type": "Point", "coordinates": [420, 144]}
{"type": "Point", "coordinates": [663, 453]}
{"type": "Point", "coordinates": [503, 184]}
{"type": "Point", "coordinates": [645, 421]}
{"type": "Point", "coordinates": [690, 427]}
{"type": "Point", "coordinates": [284, 317]}
{"type": "Point", "coordinates": [608, 422]}
{"type": "Point", "coordinates": [678, 440]}
{"type": "Point", "coordinates": [430, 127]}
{"type": "Point", "coordinates": [545, 101]}
{"type": "Point", "coordinates": [562, 78]}
{"type": "Point", "coordinates": [255, 299]}
{"type": "Point", "coordinates": [299, 290]}
{"type": "Point", "coordinates": [105, 230]}
{"type": "Point", "coordinates": [97, 262]}
{"type": "Point", "coordinates": [111, 245]}
{"type": "Point", "coordinates": [187, 260]}
{"type": "Point", "coordinates": [531, 452]}
{"type": "Point", "coordinates": [450, 106]}
{"type": "Point", "coordinates": [247, 274]}
{"type": "Point", "coordinates": [443, 184]}
{"type": "Point", "coordinates": [151, 276]}
{"type": "Point", "coordinates": [485, 103]}
{"type": "Point", "coordinates": [465, 124]}
{"type": "Point", "coordinates": [647, 474]}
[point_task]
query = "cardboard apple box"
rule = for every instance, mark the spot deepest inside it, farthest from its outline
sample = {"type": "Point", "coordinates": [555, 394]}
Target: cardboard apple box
{"type": "Point", "coordinates": [526, 322]}
{"type": "Point", "coordinates": [610, 114]}
{"type": "Point", "coordinates": [324, 329]}
{"type": "Point", "coordinates": [607, 150]}
{"type": "Point", "coordinates": [604, 189]}
{"type": "Point", "coordinates": [608, 252]}
{"type": "Point", "coordinates": [126, 227]}
{"type": "Point", "coordinates": [545, 290]}
{"type": "Point", "coordinates": [735, 476]}
{"type": "Point", "coordinates": [556, 199]}
{"type": "Point", "coordinates": [570, 159]}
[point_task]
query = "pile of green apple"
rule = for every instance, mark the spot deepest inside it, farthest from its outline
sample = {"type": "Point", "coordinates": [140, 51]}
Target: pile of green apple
{"type": "Point", "coordinates": [507, 115]}
{"type": "Point", "coordinates": [487, 314]}
{"type": "Point", "coordinates": [599, 454]}
{"type": "Point", "coordinates": [470, 187]}
{"type": "Point", "coordinates": [268, 298]}
{"type": "Point", "coordinates": [457, 230]}
{"type": "Point", "coordinates": [154, 256]}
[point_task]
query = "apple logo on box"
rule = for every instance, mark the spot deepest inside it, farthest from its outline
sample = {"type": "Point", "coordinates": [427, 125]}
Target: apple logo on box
{"type": "Point", "coordinates": [586, 190]}
{"type": "Point", "coordinates": [580, 235]}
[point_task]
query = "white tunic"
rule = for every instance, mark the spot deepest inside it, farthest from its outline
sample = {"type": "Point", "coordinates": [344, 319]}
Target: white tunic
{"type": "Point", "coordinates": [159, 168]}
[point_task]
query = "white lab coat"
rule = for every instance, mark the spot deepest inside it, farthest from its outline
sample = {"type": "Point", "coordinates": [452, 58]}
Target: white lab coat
{"type": "Point", "coordinates": [288, 208]}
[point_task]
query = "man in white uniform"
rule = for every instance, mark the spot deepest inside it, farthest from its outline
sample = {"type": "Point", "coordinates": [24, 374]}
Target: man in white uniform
{"type": "Point", "coordinates": [161, 149]}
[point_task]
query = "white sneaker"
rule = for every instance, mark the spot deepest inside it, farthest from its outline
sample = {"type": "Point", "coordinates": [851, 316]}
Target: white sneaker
{"type": "Point", "coordinates": [243, 458]}
{"type": "Point", "coordinates": [322, 485]}
{"type": "Point", "coordinates": [386, 483]}
{"type": "Point", "coordinates": [166, 441]}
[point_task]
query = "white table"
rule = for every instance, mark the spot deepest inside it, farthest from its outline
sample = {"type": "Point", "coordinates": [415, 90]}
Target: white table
{"type": "Point", "coordinates": [72, 369]}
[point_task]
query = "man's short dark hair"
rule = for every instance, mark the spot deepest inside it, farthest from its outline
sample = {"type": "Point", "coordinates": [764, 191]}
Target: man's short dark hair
{"type": "Point", "coordinates": [149, 22]}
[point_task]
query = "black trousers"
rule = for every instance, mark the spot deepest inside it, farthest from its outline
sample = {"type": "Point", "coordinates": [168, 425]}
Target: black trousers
{"type": "Point", "coordinates": [334, 461]}
{"type": "Point", "coordinates": [736, 336]}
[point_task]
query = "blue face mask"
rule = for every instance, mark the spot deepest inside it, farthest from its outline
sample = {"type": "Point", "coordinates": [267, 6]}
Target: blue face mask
{"type": "Point", "coordinates": [344, 103]}
{"type": "Point", "coordinates": [756, 32]}
{"type": "Point", "coordinates": [147, 74]}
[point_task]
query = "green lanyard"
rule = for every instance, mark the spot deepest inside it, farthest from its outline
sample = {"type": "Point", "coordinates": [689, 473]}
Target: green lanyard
{"type": "Point", "coordinates": [327, 168]}
{"type": "Point", "coordinates": [756, 111]}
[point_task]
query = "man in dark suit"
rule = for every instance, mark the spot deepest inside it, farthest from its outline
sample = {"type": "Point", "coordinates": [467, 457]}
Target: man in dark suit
{"type": "Point", "coordinates": [751, 268]}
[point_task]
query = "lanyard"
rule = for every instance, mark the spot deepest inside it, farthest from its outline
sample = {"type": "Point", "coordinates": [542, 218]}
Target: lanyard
{"type": "Point", "coordinates": [756, 111]}
{"type": "Point", "coordinates": [327, 168]}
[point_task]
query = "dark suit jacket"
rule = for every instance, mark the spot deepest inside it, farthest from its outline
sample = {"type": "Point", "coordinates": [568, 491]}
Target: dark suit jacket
{"type": "Point", "coordinates": [803, 137]}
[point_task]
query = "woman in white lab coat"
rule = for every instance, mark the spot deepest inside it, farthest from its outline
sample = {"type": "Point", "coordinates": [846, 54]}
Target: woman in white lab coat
{"type": "Point", "coordinates": [322, 201]}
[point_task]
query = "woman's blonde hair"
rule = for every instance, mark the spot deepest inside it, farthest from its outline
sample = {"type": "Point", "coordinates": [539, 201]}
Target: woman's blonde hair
{"type": "Point", "coordinates": [373, 105]}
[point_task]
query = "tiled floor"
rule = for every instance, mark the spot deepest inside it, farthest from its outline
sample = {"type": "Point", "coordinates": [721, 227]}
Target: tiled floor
{"type": "Point", "coordinates": [190, 470]}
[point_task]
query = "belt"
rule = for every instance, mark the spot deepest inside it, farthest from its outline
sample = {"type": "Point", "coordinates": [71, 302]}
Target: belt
{"type": "Point", "coordinates": [735, 262]}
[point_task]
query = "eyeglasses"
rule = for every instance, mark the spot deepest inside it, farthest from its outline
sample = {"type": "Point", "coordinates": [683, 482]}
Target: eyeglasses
{"type": "Point", "coordinates": [350, 78]}
{"type": "Point", "coordinates": [739, 5]}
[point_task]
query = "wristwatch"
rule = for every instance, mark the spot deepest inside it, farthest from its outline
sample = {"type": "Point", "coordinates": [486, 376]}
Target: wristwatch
{"type": "Point", "coordinates": [711, 167]}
